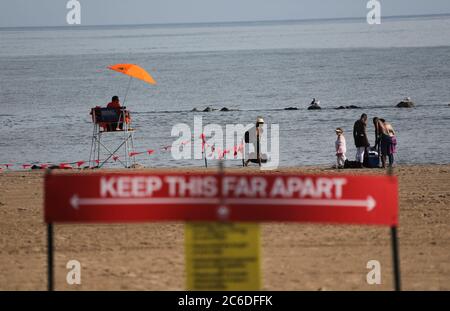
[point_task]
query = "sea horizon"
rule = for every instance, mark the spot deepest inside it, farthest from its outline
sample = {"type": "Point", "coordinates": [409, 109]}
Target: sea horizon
{"type": "Point", "coordinates": [225, 23]}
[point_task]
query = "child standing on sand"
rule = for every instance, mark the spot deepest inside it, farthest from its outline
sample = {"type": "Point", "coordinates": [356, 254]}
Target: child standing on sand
{"type": "Point", "coordinates": [341, 148]}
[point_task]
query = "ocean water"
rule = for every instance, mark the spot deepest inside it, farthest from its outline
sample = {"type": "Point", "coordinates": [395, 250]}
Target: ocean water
{"type": "Point", "coordinates": [51, 77]}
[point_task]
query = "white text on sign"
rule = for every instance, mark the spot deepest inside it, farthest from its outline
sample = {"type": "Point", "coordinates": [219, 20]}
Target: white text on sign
{"type": "Point", "coordinates": [232, 187]}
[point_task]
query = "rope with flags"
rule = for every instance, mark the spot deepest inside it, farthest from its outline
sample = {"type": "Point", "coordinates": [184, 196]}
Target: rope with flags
{"type": "Point", "coordinates": [208, 151]}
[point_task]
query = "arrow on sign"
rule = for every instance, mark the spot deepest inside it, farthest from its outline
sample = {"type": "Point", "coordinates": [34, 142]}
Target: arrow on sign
{"type": "Point", "coordinates": [76, 201]}
{"type": "Point", "coordinates": [369, 204]}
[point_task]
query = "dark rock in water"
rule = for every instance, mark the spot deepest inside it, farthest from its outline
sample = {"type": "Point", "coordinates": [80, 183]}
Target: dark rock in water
{"type": "Point", "coordinates": [208, 109]}
{"type": "Point", "coordinates": [224, 109]}
{"type": "Point", "coordinates": [194, 110]}
{"type": "Point", "coordinates": [291, 108]}
{"type": "Point", "coordinates": [36, 167]}
{"type": "Point", "coordinates": [405, 104]}
{"type": "Point", "coordinates": [348, 107]}
{"type": "Point", "coordinates": [314, 107]}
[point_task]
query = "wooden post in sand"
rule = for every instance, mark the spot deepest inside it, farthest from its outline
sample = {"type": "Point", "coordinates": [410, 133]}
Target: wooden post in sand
{"type": "Point", "coordinates": [206, 160]}
{"type": "Point", "coordinates": [258, 155]}
{"type": "Point", "coordinates": [203, 138]}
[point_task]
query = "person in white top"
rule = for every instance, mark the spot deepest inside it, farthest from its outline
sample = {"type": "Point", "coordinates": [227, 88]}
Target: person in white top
{"type": "Point", "coordinates": [341, 148]}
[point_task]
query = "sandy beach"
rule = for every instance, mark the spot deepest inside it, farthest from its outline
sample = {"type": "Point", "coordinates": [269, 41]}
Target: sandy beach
{"type": "Point", "coordinates": [294, 256]}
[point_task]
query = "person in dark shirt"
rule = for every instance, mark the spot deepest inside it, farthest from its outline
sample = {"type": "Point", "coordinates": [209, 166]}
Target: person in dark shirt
{"type": "Point", "coordinates": [115, 104]}
{"type": "Point", "coordinates": [360, 137]}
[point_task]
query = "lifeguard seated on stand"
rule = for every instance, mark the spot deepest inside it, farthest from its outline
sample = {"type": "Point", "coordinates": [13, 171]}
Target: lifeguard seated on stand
{"type": "Point", "coordinates": [111, 118]}
{"type": "Point", "coordinates": [115, 104]}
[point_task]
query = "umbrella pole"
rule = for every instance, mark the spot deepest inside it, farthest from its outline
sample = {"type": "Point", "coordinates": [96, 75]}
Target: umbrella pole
{"type": "Point", "coordinates": [126, 93]}
{"type": "Point", "coordinates": [125, 126]}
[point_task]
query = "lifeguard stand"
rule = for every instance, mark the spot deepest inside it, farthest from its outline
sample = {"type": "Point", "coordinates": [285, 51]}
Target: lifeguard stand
{"type": "Point", "coordinates": [111, 121]}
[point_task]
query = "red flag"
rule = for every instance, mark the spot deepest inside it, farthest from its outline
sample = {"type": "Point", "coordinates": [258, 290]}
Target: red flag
{"type": "Point", "coordinates": [79, 163]}
{"type": "Point", "coordinates": [212, 150]}
{"type": "Point", "coordinates": [240, 148]}
{"type": "Point", "coordinates": [150, 151]}
{"type": "Point", "coordinates": [115, 158]}
{"type": "Point", "coordinates": [132, 154]}
{"type": "Point", "coordinates": [203, 138]}
{"type": "Point", "coordinates": [220, 153]}
{"type": "Point", "coordinates": [223, 153]}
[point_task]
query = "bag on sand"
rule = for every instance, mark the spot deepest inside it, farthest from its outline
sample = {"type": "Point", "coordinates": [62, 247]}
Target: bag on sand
{"type": "Point", "coordinates": [374, 159]}
{"type": "Point", "coordinates": [352, 164]}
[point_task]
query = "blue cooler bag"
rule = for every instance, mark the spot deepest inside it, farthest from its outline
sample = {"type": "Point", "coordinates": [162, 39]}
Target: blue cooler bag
{"type": "Point", "coordinates": [374, 160]}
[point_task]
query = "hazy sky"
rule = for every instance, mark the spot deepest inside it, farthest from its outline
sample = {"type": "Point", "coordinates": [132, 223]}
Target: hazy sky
{"type": "Point", "coordinates": [100, 12]}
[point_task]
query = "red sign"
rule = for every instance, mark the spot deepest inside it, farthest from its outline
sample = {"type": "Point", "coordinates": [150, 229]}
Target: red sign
{"type": "Point", "coordinates": [143, 197]}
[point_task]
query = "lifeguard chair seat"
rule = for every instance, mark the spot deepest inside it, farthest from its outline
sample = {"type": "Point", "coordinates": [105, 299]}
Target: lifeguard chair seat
{"type": "Point", "coordinates": [109, 120]}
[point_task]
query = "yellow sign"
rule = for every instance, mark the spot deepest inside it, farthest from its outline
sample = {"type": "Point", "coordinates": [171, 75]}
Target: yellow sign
{"type": "Point", "coordinates": [222, 256]}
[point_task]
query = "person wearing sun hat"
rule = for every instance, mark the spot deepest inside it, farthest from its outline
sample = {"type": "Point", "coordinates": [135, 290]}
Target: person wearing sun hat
{"type": "Point", "coordinates": [341, 148]}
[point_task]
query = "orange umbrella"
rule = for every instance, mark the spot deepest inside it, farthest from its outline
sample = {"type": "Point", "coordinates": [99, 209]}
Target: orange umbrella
{"type": "Point", "coordinates": [133, 71]}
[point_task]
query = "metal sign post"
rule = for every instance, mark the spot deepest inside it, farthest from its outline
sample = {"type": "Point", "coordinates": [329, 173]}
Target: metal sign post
{"type": "Point", "coordinates": [395, 251]}
{"type": "Point", "coordinates": [396, 258]}
{"type": "Point", "coordinates": [50, 263]}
